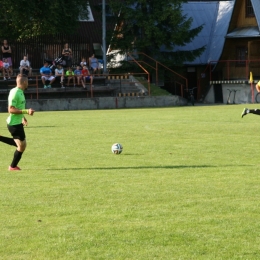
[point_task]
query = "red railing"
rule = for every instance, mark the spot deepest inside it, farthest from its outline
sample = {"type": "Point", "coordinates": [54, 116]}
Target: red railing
{"type": "Point", "coordinates": [233, 69]}
{"type": "Point", "coordinates": [150, 63]}
{"type": "Point", "coordinates": [228, 70]}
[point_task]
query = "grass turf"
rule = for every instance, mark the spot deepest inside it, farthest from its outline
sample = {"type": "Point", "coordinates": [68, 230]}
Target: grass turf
{"type": "Point", "coordinates": [185, 187]}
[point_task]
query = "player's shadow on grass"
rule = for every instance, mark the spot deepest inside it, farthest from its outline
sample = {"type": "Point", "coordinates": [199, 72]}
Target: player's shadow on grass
{"type": "Point", "coordinates": [137, 167]}
{"type": "Point", "coordinates": [39, 126]}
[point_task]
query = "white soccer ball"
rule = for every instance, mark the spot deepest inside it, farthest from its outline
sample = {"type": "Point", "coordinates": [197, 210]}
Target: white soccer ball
{"type": "Point", "coordinates": [117, 148]}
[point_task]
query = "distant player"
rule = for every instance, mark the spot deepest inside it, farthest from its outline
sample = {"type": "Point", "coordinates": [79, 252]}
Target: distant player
{"type": "Point", "coordinates": [252, 111]}
{"type": "Point", "coordinates": [17, 120]}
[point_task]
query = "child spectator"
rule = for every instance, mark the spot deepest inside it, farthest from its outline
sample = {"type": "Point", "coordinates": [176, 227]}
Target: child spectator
{"type": "Point", "coordinates": [6, 69]}
{"type": "Point", "coordinates": [78, 75]}
{"type": "Point", "coordinates": [59, 74]}
{"type": "Point", "coordinates": [83, 63]}
{"type": "Point", "coordinates": [86, 75]}
{"type": "Point", "coordinates": [70, 75]}
{"type": "Point", "coordinates": [25, 67]}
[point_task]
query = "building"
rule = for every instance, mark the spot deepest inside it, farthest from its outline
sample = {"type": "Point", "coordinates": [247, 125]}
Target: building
{"type": "Point", "coordinates": [231, 34]}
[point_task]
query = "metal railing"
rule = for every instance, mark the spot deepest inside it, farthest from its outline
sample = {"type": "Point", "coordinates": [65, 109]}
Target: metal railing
{"type": "Point", "coordinates": [176, 80]}
{"type": "Point", "coordinates": [233, 69]}
{"type": "Point", "coordinates": [118, 84]}
{"type": "Point", "coordinates": [227, 70]}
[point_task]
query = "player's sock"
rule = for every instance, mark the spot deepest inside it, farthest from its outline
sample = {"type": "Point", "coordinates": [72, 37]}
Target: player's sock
{"type": "Point", "coordinates": [8, 140]}
{"type": "Point", "coordinates": [254, 111]}
{"type": "Point", "coordinates": [16, 159]}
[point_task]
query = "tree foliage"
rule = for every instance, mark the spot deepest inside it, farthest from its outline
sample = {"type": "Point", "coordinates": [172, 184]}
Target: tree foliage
{"type": "Point", "coordinates": [24, 19]}
{"type": "Point", "coordinates": [149, 26]}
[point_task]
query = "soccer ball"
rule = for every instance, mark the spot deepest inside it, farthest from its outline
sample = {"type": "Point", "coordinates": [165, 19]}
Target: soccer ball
{"type": "Point", "coordinates": [117, 148]}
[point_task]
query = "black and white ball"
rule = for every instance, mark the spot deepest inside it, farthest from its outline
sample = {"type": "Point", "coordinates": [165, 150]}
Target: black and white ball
{"type": "Point", "coordinates": [117, 148]}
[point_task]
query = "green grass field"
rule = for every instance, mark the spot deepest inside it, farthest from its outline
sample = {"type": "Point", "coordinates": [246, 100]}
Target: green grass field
{"type": "Point", "coordinates": [187, 185]}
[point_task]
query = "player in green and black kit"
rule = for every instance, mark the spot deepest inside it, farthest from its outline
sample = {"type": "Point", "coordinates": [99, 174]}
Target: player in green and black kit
{"type": "Point", "coordinates": [16, 120]}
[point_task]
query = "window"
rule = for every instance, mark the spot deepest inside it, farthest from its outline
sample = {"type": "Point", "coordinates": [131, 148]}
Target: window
{"type": "Point", "coordinates": [249, 9]}
{"type": "Point", "coordinates": [241, 55]}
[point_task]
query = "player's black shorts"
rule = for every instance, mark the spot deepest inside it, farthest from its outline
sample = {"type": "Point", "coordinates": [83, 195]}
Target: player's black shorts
{"type": "Point", "coordinates": [17, 131]}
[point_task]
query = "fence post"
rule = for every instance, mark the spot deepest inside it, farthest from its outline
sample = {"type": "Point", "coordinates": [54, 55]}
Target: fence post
{"type": "Point", "coordinates": [37, 93]}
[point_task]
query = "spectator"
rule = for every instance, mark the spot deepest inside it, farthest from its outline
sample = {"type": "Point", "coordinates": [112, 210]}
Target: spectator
{"type": "Point", "coordinates": [93, 64]}
{"type": "Point", "coordinates": [67, 55]}
{"type": "Point", "coordinates": [25, 67]}
{"type": "Point", "coordinates": [70, 76]}
{"type": "Point", "coordinates": [1, 67]}
{"type": "Point", "coordinates": [83, 63]}
{"type": "Point", "coordinates": [59, 74]}
{"type": "Point", "coordinates": [7, 53]}
{"type": "Point", "coordinates": [86, 75]}
{"type": "Point", "coordinates": [78, 75]}
{"type": "Point", "coordinates": [6, 69]}
{"type": "Point", "coordinates": [46, 75]}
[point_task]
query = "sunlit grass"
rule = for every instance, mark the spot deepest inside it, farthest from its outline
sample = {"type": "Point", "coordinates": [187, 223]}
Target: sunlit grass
{"type": "Point", "coordinates": [185, 187]}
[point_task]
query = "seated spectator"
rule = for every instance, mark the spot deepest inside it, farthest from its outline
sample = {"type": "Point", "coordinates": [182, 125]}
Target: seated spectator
{"type": "Point", "coordinates": [83, 63]}
{"type": "Point", "coordinates": [70, 76]}
{"type": "Point", "coordinates": [25, 67]}
{"type": "Point", "coordinates": [86, 75]}
{"type": "Point", "coordinates": [94, 64]}
{"type": "Point", "coordinates": [78, 75]}
{"type": "Point", "coordinates": [59, 74]}
{"type": "Point", "coordinates": [7, 53]}
{"type": "Point", "coordinates": [1, 67]}
{"type": "Point", "coordinates": [46, 73]}
{"type": "Point", "coordinates": [6, 69]}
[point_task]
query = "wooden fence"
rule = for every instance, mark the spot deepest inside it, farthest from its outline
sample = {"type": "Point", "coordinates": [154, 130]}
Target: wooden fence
{"type": "Point", "coordinates": [50, 47]}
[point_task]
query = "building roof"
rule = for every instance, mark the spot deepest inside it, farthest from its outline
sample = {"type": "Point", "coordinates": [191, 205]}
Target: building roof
{"type": "Point", "coordinates": [244, 32]}
{"type": "Point", "coordinates": [92, 29]}
{"type": "Point", "coordinates": [256, 7]}
{"type": "Point", "coordinates": [215, 17]}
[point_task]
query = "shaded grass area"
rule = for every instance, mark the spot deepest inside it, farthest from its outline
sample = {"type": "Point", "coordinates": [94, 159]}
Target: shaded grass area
{"type": "Point", "coordinates": [157, 91]}
{"type": "Point", "coordinates": [185, 187]}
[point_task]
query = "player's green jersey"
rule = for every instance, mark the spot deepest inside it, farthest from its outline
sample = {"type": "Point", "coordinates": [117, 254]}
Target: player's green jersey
{"type": "Point", "coordinates": [16, 99]}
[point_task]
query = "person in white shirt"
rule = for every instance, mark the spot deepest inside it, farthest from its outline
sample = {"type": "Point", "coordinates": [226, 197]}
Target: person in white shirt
{"type": "Point", "coordinates": [6, 69]}
{"type": "Point", "coordinates": [25, 67]}
{"type": "Point", "coordinates": [59, 73]}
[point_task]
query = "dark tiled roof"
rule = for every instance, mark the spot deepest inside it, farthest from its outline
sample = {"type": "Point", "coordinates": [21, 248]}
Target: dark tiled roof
{"type": "Point", "coordinates": [92, 30]}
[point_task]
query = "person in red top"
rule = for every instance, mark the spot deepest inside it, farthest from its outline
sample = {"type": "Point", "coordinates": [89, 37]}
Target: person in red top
{"type": "Point", "coordinates": [86, 75]}
{"type": "Point", "coordinates": [1, 67]}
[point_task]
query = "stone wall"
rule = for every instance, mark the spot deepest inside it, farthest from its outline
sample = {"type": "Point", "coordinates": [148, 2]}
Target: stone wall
{"type": "Point", "coordinates": [100, 103]}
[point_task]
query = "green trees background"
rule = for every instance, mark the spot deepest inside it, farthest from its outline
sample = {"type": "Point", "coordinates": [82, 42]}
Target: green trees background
{"type": "Point", "coordinates": [23, 19]}
{"type": "Point", "coordinates": [143, 25]}
{"type": "Point", "coordinates": [147, 26]}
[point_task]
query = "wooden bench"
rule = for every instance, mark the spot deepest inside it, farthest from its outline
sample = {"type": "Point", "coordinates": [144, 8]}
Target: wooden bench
{"type": "Point", "coordinates": [104, 85]}
{"type": "Point", "coordinates": [36, 91]}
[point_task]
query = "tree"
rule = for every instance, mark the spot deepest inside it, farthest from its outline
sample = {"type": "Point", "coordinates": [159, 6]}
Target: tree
{"type": "Point", "coordinates": [155, 28]}
{"type": "Point", "coordinates": [24, 19]}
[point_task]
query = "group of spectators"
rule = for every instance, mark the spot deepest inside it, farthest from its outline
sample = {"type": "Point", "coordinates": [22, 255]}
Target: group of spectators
{"type": "Point", "coordinates": [78, 77]}
{"type": "Point", "coordinates": [63, 71]}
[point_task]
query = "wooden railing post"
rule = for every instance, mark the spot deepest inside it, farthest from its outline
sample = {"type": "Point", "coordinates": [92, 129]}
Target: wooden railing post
{"type": "Point", "coordinates": [37, 90]}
